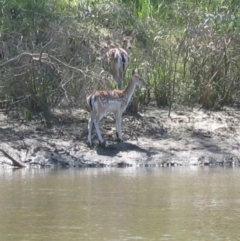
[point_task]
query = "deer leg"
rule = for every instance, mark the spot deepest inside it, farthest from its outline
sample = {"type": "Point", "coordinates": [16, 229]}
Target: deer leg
{"type": "Point", "coordinates": [96, 123]}
{"type": "Point", "coordinates": [90, 125]}
{"type": "Point", "coordinates": [120, 85]}
{"type": "Point", "coordinates": [119, 125]}
{"type": "Point", "coordinates": [117, 75]}
{"type": "Point", "coordinates": [116, 123]}
{"type": "Point", "coordinates": [120, 80]}
{"type": "Point", "coordinates": [124, 72]}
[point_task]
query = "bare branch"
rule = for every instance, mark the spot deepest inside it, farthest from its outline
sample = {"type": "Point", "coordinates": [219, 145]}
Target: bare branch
{"type": "Point", "coordinates": [15, 162]}
{"type": "Point", "coordinates": [44, 47]}
{"type": "Point", "coordinates": [66, 65]}
{"type": "Point", "coordinates": [17, 58]}
{"type": "Point", "coordinates": [35, 56]}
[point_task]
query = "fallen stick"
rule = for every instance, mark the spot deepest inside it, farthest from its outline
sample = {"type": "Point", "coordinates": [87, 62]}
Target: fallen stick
{"type": "Point", "coordinates": [15, 162]}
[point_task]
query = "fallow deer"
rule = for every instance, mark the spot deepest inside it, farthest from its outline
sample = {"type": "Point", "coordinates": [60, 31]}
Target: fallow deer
{"type": "Point", "coordinates": [116, 101]}
{"type": "Point", "coordinates": [117, 60]}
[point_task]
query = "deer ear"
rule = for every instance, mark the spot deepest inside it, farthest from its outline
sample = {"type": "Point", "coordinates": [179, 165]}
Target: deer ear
{"type": "Point", "coordinates": [133, 34]}
{"type": "Point", "coordinates": [134, 71]}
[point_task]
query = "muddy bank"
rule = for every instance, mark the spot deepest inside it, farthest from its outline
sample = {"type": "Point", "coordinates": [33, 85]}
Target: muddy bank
{"type": "Point", "coordinates": [189, 137]}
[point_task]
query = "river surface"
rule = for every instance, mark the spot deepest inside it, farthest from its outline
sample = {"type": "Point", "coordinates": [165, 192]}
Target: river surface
{"type": "Point", "coordinates": [183, 203]}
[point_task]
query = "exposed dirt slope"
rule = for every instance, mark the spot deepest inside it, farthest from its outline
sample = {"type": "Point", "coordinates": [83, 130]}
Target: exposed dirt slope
{"type": "Point", "coordinates": [187, 138]}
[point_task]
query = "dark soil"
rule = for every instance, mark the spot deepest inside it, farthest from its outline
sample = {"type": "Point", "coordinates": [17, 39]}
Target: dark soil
{"type": "Point", "coordinates": [189, 137]}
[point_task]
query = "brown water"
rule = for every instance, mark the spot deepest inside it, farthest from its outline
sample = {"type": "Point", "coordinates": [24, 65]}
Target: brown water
{"type": "Point", "coordinates": [120, 204]}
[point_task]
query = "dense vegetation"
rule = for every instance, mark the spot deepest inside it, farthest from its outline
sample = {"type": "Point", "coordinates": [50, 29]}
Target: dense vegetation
{"type": "Point", "coordinates": [51, 51]}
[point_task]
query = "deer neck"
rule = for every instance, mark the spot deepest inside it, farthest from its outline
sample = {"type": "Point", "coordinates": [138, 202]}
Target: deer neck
{"type": "Point", "coordinates": [126, 50]}
{"type": "Point", "coordinates": [128, 92]}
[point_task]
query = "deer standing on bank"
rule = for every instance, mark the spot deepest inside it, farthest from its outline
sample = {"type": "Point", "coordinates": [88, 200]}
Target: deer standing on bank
{"type": "Point", "coordinates": [117, 60]}
{"type": "Point", "coordinates": [116, 101]}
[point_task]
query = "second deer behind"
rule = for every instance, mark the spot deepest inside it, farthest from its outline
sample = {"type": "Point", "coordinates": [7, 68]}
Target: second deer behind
{"type": "Point", "coordinates": [117, 60]}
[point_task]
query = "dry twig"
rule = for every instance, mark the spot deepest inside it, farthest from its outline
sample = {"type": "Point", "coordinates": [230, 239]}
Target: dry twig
{"type": "Point", "coordinates": [16, 163]}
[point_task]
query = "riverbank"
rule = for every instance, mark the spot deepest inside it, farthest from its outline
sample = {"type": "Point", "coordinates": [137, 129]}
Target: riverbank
{"type": "Point", "coordinates": [189, 137]}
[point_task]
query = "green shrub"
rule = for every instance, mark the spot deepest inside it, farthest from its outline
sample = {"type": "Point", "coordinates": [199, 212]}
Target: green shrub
{"type": "Point", "coordinates": [187, 51]}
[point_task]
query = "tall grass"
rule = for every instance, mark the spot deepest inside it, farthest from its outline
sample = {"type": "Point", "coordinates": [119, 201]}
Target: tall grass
{"type": "Point", "coordinates": [195, 46]}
